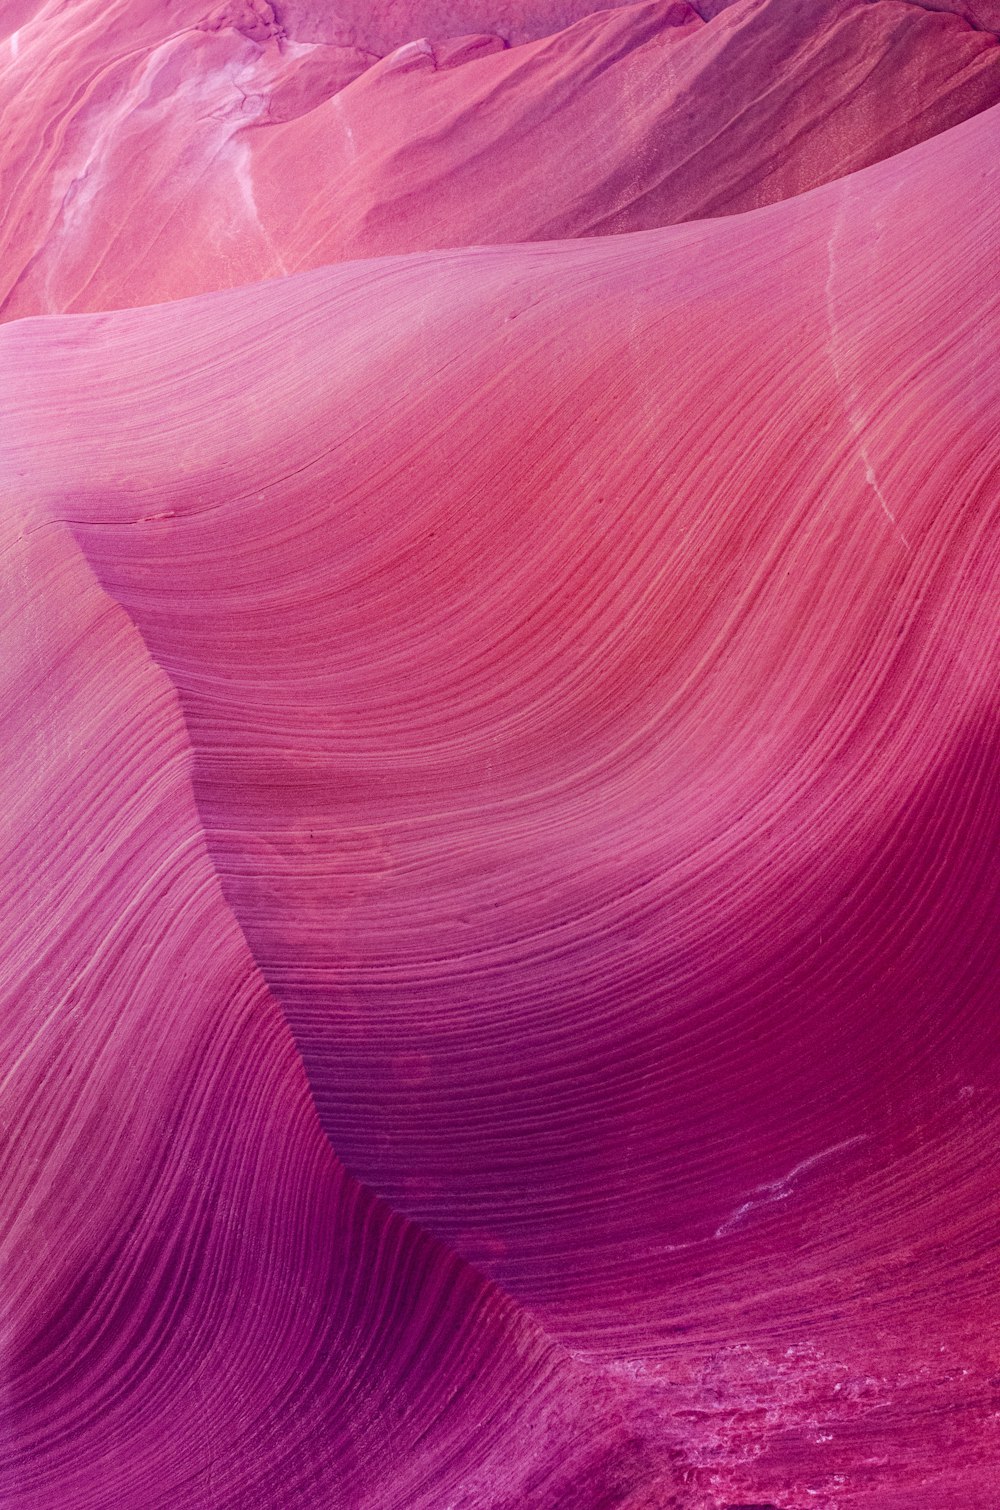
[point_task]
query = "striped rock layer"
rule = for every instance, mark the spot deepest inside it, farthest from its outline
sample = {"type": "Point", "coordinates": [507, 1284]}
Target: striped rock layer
{"type": "Point", "coordinates": [500, 841]}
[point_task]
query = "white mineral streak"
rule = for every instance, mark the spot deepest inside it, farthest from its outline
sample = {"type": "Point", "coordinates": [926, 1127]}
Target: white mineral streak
{"type": "Point", "coordinates": [845, 382]}
{"type": "Point", "coordinates": [780, 1190]}
{"type": "Point", "coordinates": [224, 100]}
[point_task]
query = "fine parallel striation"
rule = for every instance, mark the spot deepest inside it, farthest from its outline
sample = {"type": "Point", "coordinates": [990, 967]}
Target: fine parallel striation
{"type": "Point", "coordinates": [198, 1307]}
{"type": "Point", "coordinates": [588, 655]}
{"type": "Point", "coordinates": [500, 912]}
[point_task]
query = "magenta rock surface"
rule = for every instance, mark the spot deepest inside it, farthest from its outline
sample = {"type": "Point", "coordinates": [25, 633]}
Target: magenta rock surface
{"type": "Point", "coordinates": [199, 1306]}
{"type": "Point", "coordinates": [500, 841]}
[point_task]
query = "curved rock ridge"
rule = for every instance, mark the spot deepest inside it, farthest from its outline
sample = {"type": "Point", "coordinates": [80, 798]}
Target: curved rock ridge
{"type": "Point", "coordinates": [631, 119]}
{"type": "Point", "coordinates": [639, 939]}
{"type": "Point", "coordinates": [154, 153]}
{"type": "Point", "coordinates": [199, 1307]}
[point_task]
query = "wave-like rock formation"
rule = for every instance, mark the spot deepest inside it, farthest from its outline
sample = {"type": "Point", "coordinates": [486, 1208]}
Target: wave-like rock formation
{"type": "Point", "coordinates": [500, 922]}
{"type": "Point", "coordinates": [199, 1306]}
{"type": "Point", "coordinates": [198, 150]}
{"type": "Point", "coordinates": [587, 653]}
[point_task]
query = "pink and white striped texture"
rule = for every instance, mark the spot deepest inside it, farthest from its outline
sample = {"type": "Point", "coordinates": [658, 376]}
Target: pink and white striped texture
{"type": "Point", "coordinates": [523, 718]}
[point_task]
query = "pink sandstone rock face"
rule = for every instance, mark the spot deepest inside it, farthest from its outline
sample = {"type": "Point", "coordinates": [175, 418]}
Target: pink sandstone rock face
{"type": "Point", "coordinates": [193, 1288]}
{"type": "Point", "coordinates": [501, 827]}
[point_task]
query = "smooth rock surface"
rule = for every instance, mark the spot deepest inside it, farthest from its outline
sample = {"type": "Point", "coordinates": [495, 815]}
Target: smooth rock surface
{"type": "Point", "coordinates": [152, 153]}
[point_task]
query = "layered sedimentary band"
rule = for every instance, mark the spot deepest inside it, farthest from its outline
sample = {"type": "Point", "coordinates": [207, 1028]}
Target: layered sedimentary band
{"type": "Point", "coordinates": [587, 657]}
{"type": "Point", "coordinates": [500, 910]}
{"type": "Point", "coordinates": [199, 1306]}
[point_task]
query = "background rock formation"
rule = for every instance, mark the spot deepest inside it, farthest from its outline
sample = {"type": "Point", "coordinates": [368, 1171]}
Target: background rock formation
{"type": "Point", "coordinates": [156, 152]}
